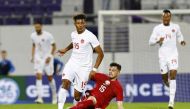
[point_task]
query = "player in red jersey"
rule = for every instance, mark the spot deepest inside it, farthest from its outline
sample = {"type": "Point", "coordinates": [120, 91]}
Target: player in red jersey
{"type": "Point", "coordinates": [106, 88]}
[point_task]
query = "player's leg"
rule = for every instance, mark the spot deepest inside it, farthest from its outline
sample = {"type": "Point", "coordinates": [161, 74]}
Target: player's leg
{"type": "Point", "coordinates": [173, 65]}
{"type": "Point", "coordinates": [77, 96]}
{"type": "Point", "coordinates": [67, 77]}
{"type": "Point", "coordinates": [53, 89]}
{"type": "Point", "coordinates": [38, 66]}
{"type": "Point", "coordinates": [82, 76]}
{"type": "Point", "coordinates": [86, 104]}
{"type": "Point", "coordinates": [49, 71]}
{"type": "Point", "coordinates": [164, 71]}
{"type": "Point", "coordinates": [63, 93]}
{"type": "Point", "coordinates": [165, 79]}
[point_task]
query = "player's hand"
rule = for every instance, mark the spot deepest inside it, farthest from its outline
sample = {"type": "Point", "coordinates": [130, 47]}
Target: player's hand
{"type": "Point", "coordinates": [61, 52]}
{"type": "Point", "coordinates": [161, 41]}
{"type": "Point", "coordinates": [48, 60]}
{"type": "Point", "coordinates": [183, 43]}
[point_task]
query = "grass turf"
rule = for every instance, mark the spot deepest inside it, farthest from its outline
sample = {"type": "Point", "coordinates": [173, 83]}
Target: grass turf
{"type": "Point", "coordinates": [178, 105]}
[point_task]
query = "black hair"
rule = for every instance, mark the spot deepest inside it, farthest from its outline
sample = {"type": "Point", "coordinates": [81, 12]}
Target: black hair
{"type": "Point", "coordinates": [38, 22]}
{"type": "Point", "coordinates": [166, 11]}
{"type": "Point", "coordinates": [79, 16]}
{"type": "Point", "coordinates": [113, 64]}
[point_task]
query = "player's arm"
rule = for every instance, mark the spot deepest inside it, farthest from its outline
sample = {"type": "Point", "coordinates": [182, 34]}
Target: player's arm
{"type": "Point", "coordinates": [154, 39]}
{"type": "Point", "coordinates": [119, 95]}
{"type": "Point", "coordinates": [94, 76]}
{"type": "Point", "coordinates": [180, 37]}
{"type": "Point", "coordinates": [100, 57]}
{"type": "Point", "coordinates": [64, 50]}
{"type": "Point", "coordinates": [120, 104]}
{"type": "Point", "coordinates": [33, 52]}
{"type": "Point", "coordinates": [53, 48]}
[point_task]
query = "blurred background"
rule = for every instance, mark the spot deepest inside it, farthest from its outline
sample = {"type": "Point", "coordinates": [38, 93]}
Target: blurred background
{"type": "Point", "coordinates": [124, 38]}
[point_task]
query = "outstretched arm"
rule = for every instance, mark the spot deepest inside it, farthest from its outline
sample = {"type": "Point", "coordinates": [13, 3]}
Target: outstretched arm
{"type": "Point", "coordinates": [100, 53]}
{"type": "Point", "coordinates": [53, 48]}
{"type": "Point", "coordinates": [64, 50]}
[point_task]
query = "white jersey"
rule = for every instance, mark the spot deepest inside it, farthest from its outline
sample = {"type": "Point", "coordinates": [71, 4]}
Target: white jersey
{"type": "Point", "coordinates": [43, 44]}
{"type": "Point", "coordinates": [83, 45]}
{"type": "Point", "coordinates": [170, 34]}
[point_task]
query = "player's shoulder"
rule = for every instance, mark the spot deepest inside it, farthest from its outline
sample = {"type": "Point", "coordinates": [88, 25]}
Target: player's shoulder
{"type": "Point", "coordinates": [118, 84]}
{"type": "Point", "coordinates": [158, 26]}
{"type": "Point", "coordinates": [47, 33]}
{"type": "Point", "coordinates": [33, 34]}
{"type": "Point", "coordinates": [74, 33]}
{"type": "Point", "coordinates": [174, 25]}
{"type": "Point", "coordinates": [89, 32]}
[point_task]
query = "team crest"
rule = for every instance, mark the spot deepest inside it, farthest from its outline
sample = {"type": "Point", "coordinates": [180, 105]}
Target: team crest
{"type": "Point", "coordinates": [82, 41]}
{"type": "Point", "coordinates": [107, 82]}
{"type": "Point", "coordinates": [173, 30]}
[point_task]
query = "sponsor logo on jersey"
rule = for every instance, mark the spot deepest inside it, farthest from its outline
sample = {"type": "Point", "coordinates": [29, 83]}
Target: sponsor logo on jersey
{"type": "Point", "coordinates": [82, 41]}
{"type": "Point", "coordinates": [173, 30]}
{"type": "Point", "coordinates": [9, 91]}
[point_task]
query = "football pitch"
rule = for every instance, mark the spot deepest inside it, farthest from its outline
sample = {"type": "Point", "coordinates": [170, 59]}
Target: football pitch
{"type": "Point", "coordinates": [111, 106]}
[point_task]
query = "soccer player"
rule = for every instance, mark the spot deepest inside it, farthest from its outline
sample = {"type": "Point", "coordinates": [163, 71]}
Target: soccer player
{"type": "Point", "coordinates": [43, 49]}
{"type": "Point", "coordinates": [106, 88]}
{"type": "Point", "coordinates": [165, 34]}
{"type": "Point", "coordinates": [79, 66]}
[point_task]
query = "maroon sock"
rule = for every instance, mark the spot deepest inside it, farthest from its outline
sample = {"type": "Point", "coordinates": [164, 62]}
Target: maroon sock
{"type": "Point", "coordinates": [83, 105]}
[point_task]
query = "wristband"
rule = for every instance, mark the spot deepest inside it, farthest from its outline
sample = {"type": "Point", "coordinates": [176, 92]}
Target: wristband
{"type": "Point", "coordinates": [95, 69]}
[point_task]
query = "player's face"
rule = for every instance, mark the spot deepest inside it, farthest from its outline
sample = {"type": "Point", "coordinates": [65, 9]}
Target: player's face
{"type": "Point", "coordinates": [38, 28]}
{"type": "Point", "coordinates": [166, 17]}
{"type": "Point", "coordinates": [80, 25]}
{"type": "Point", "coordinates": [113, 72]}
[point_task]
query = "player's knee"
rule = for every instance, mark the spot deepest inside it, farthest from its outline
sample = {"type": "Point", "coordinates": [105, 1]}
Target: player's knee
{"type": "Point", "coordinates": [172, 78]}
{"type": "Point", "coordinates": [66, 84]}
{"type": "Point", "coordinates": [50, 78]}
{"type": "Point", "coordinates": [38, 76]}
{"type": "Point", "coordinates": [77, 98]}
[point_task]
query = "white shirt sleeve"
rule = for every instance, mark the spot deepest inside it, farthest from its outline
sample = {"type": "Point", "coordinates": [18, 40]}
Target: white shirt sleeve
{"type": "Point", "coordinates": [31, 36]}
{"type": "Point", "coordinates": [94, 41]}
{"type": "Point", "coordinates": [51, 38]}
{"type": "Point", "coordinates": [154, 37]}
{"type": "Point", "coordinates": [179, 34]}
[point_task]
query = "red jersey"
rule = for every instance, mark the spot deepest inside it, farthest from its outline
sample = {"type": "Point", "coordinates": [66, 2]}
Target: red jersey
{"type": "Point", "coordinates": [105, 90]}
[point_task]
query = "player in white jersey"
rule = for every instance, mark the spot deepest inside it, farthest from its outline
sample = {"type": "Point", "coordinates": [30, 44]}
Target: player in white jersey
{"type": "Point", "coordinates": [79, 65]}
{"type": "Point", "coordinates": [43, 49]}
{"type": "Point", "coordinates": [166, 34]}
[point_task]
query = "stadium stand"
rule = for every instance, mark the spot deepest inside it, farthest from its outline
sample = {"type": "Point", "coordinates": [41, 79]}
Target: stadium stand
{"type": "Point", "coordinates": [17, 12]}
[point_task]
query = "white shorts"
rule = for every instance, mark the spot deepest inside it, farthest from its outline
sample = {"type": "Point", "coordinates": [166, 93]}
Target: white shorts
{"type": "Point", "coordinates": [40, 66]}
{"type": "Point", "coordinates": [77, 75]}
{"type": "Point", "coordinates": [168, 64]}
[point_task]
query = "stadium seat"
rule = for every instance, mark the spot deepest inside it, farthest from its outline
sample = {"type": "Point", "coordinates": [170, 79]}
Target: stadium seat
{"type": "Point", "coordinates": [17, 21]}
{"type": "Point", "coordinates": [5, 10]}
{"type": "Point", "coordinates": [44, 20]}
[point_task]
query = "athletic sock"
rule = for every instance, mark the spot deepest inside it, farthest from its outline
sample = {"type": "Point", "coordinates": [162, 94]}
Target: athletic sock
{"type": "Point", "coordinates": [172, 92]}
{"type": "Point", "coordinates": [39, 88]}
{"type": "Point", "coordinates": [61, 98]}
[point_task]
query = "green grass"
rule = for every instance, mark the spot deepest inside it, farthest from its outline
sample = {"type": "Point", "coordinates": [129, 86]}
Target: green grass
{"type": "Point", "coordinates": [111, 106]}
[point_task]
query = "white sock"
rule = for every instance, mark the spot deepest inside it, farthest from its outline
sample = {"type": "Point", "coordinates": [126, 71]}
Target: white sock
{"type": "Point", "coordinates": [53, 88]}
{"type": "Point", "coordinates": [172, 92]}
{"type": "Point", "coordinates": [39, 88]}
{"type": "Point", "coordinates": [61, 98]}
{"type": "Point", "coordinates": [75, 102]}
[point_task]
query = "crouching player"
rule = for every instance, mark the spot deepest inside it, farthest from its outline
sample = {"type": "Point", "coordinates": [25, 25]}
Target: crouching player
{"type": "Point", "coordinates": [106, 88]}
